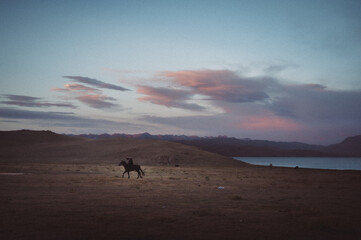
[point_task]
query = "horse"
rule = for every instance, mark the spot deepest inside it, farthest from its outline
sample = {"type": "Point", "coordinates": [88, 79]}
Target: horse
{"type": "Point", "coordinates": [128, 168]}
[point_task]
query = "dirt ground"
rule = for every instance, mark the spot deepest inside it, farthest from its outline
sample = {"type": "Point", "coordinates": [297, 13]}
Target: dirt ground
{"type": "Point", "coordinates": [93, 201]}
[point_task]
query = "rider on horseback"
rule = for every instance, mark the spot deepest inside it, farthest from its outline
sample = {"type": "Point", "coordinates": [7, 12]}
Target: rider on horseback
{"type": "Point", "coordinates": [130, 166]}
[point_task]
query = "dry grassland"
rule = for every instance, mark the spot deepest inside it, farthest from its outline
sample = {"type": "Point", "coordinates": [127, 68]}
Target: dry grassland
{"type": "Point", "coordinates": [92, 201]}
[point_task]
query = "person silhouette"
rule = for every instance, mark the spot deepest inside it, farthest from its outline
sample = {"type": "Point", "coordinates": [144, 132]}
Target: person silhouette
{"type": "Point", "coordinates": [130, 161]}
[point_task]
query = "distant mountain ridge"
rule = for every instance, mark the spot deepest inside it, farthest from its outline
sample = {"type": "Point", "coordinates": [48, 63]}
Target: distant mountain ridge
{"type": "Point", "coordinates": [166, 137]}
{"type": "Point", "coordinates": [230, 146]}
{"type": "Point", "coordinates": [350, 147]}
{"type": "Point", "coordinates": [226, 146]}
{"type": "Point", "coordinates": [213, 140]}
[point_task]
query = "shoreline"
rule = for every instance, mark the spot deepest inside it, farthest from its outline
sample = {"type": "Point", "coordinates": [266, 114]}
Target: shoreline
{"type": "Point", "coordinates": [305, 162]}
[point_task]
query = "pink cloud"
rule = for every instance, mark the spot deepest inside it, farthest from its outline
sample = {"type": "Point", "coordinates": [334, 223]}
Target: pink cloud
{"type": "Point", "coordinates": [268, 123]}
{"type": "Point", "coordinates": [215, 85]}
{"type": "Point", "coordinates": [168, 97]}
{"type": "Point", "coordinates": [75, 87]}
{"type": "Point", "coordinates": [79, 87]}
{"type": "Point", "coordinates": [90, 96]}
{"type": "Point", "coordinates": [221, 85]}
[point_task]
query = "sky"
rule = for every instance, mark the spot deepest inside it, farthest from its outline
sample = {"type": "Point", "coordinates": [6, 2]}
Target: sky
{"type": "Point", "coordinates": [273, 70]}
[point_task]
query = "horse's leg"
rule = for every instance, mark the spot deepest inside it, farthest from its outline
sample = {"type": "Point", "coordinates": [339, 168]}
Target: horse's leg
{"type": "Point", "coordinates": [139, 174]}
{"type": "Point", "coordinates": [128, 175]}
{"type": "Point", "coordinates": [141, 171]}
{"type": "Point", "coordinates": [124, 173]}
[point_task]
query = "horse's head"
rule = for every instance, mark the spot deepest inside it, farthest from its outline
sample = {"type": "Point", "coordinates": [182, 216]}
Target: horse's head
{"type": "Point", "coordinates": [122, 163]}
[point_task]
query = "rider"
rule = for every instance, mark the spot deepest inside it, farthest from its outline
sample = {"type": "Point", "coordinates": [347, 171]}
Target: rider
{"type": "Point", "coordinates": [130, 161]}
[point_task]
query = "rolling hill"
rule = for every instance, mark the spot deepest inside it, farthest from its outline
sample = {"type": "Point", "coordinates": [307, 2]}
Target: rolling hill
{"type": "Point", "coordinates": [49, 147]}
{"type": "Point", "coordinates": [351, 146]}
{"type": "Point", "coordinates": [230, 146]}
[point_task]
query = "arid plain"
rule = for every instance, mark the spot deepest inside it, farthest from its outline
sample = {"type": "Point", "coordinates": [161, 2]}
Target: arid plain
{"type": "Point", "coordinates": [57, 187]}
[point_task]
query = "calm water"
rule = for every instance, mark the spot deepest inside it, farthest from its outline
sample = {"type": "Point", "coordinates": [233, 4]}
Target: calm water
{"type": "Point", "coordinates": [306, 162]}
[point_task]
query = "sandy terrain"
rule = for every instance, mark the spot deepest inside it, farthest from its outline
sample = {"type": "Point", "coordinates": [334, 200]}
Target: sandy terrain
{"type": "Point", "coordinates": [92, 201]}
{"type": "Point", "coordinates": [206, 197]}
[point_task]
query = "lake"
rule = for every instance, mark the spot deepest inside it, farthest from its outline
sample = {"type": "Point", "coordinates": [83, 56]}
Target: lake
{"type": "Point", "coordinates": [306, 162]}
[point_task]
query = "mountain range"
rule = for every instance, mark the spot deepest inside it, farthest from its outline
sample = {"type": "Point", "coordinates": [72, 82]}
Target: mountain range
{"type": "Point", "coordinates": [230, 146]}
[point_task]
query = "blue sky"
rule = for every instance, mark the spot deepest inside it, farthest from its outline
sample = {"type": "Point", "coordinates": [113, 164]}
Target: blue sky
{"type": "Point", "coordinates": [277, 70]}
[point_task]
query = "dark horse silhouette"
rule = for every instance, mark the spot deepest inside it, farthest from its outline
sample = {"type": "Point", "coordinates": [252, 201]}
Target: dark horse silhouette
{"type": "Point", "coordinates": [131, 167]}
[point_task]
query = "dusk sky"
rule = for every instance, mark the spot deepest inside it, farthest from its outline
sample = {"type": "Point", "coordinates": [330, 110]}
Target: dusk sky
{"type": "Point", "coordinates": [275, 70]}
